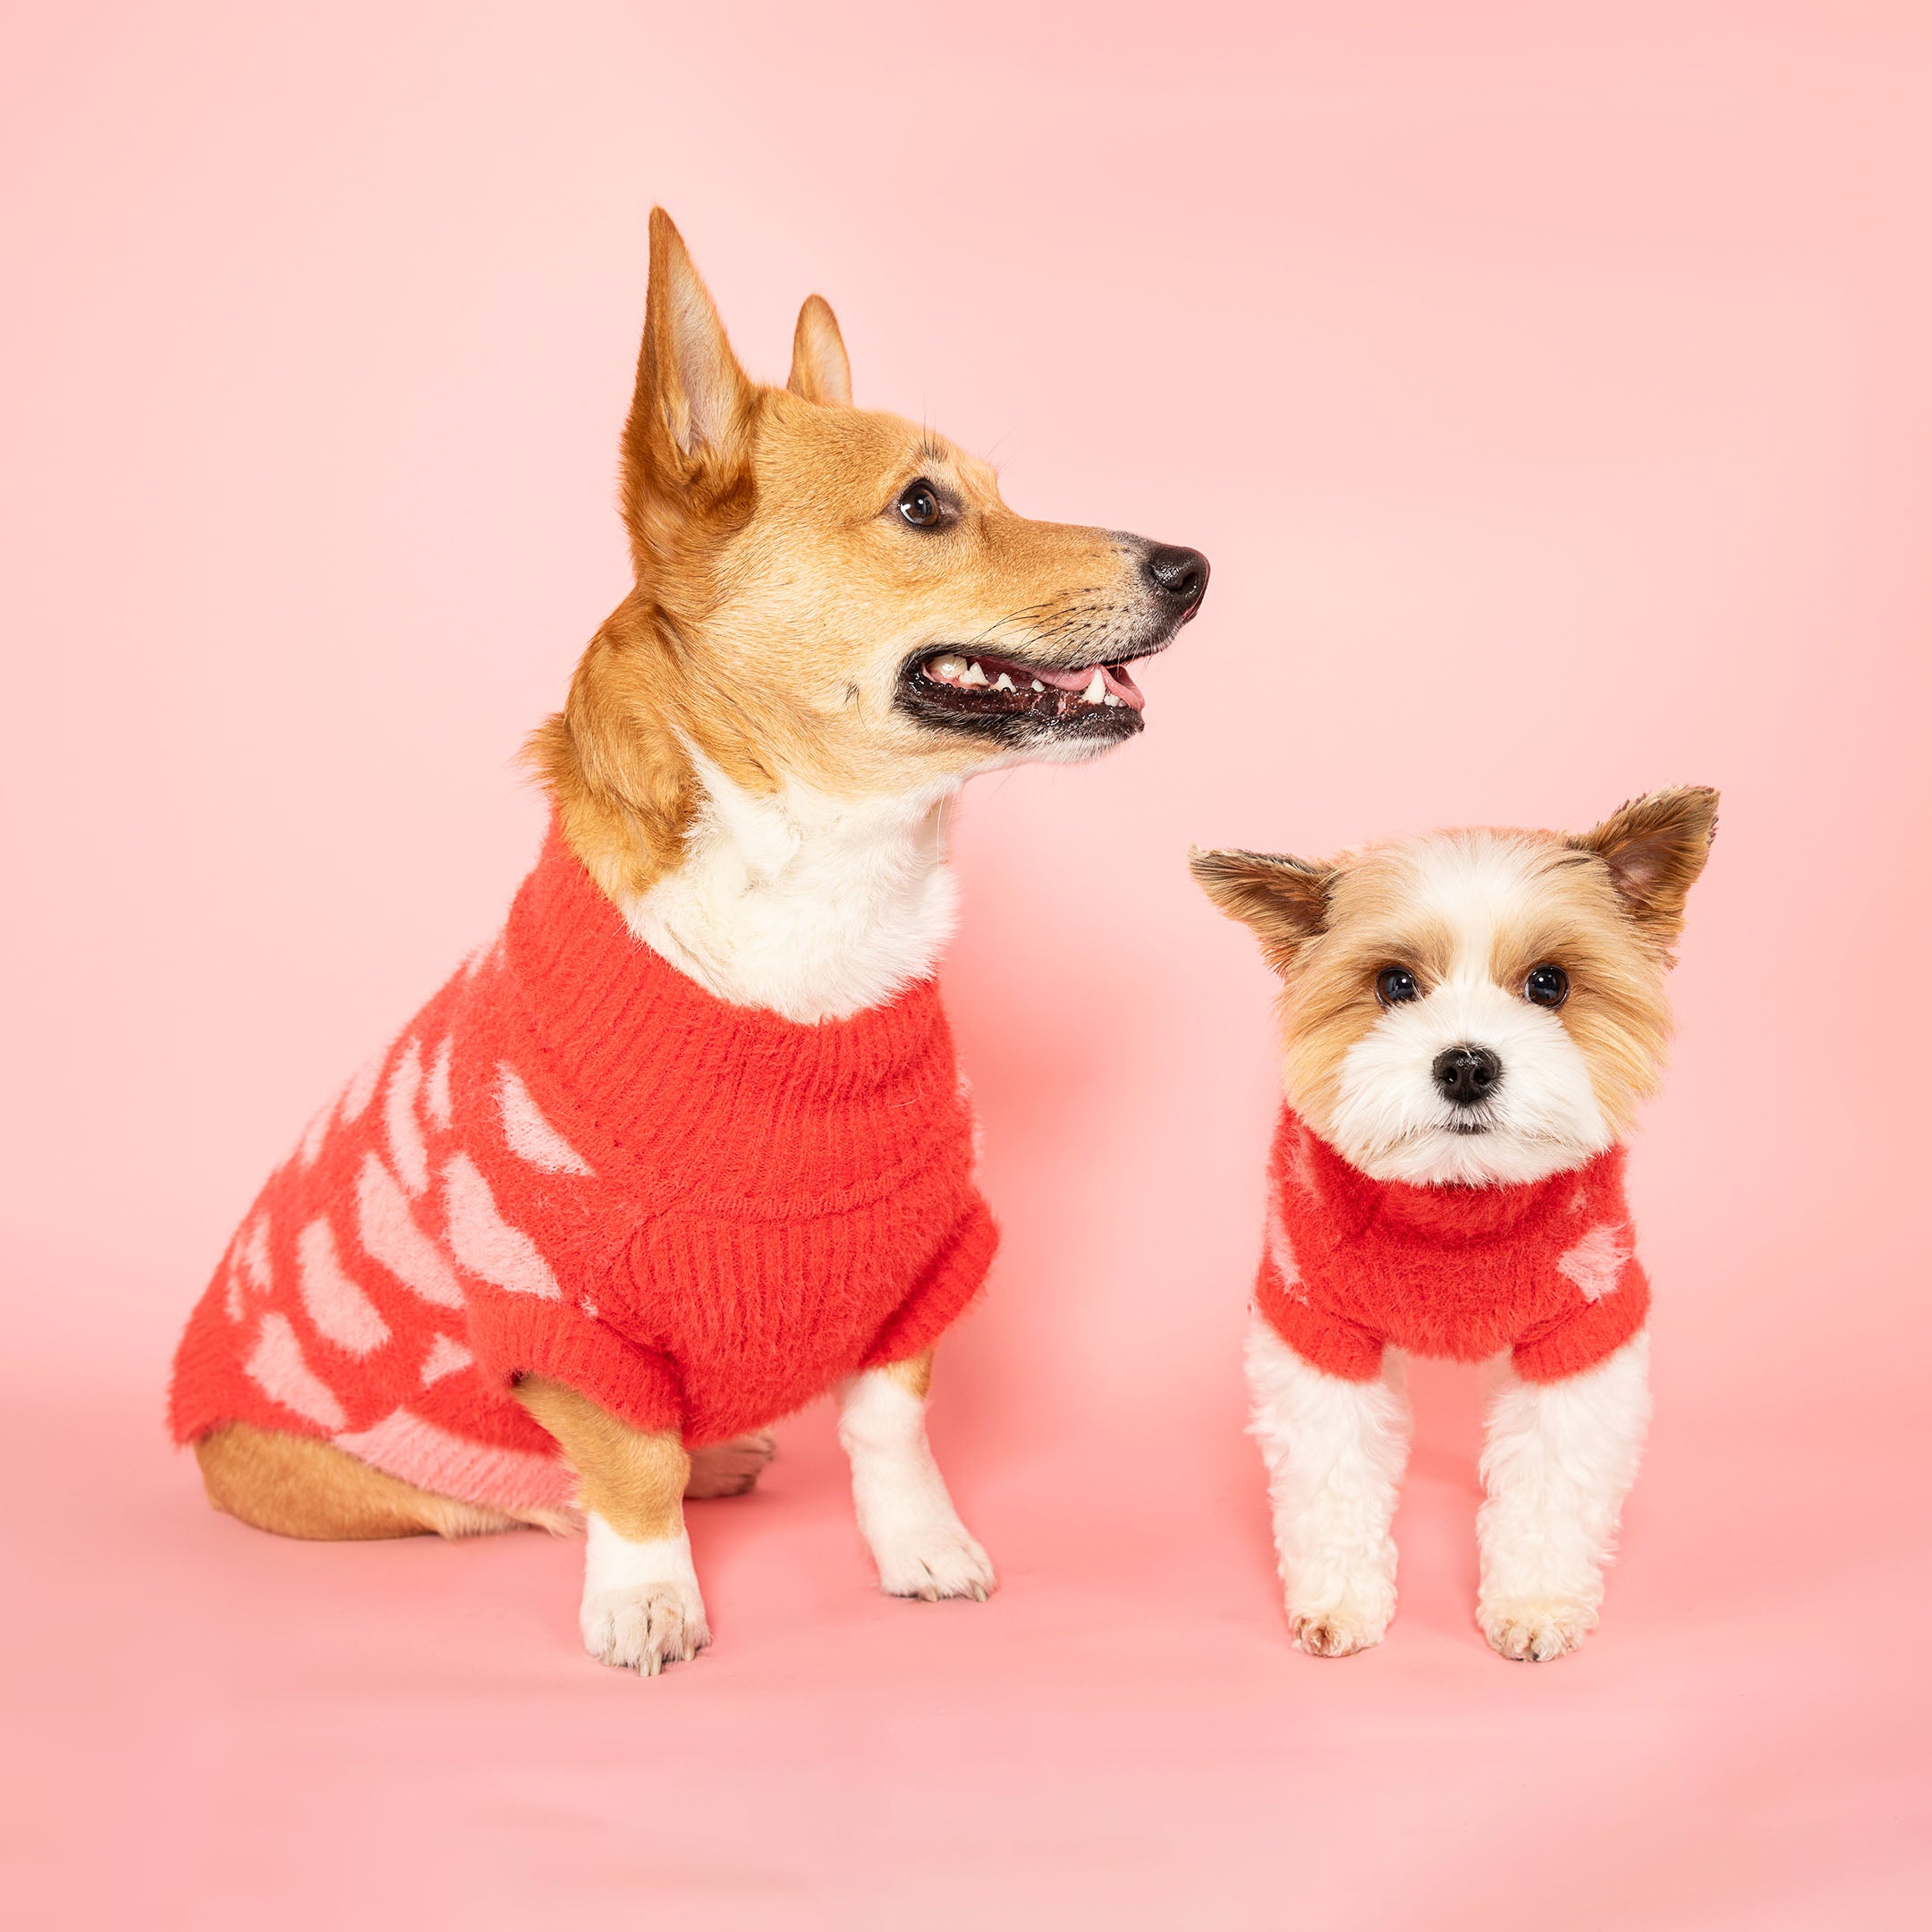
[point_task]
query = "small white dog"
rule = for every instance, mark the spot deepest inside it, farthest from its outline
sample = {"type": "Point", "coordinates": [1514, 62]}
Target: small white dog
{"type": "Point", "coordinates": [1469, 1022]}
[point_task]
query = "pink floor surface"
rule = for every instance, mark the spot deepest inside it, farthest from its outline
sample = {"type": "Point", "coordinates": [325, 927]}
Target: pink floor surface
{"type": "Point", "coordinates": [216, 1729]}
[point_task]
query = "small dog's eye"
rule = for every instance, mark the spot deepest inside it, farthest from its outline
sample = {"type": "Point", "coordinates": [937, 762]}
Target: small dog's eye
{"type": "Point", "coordinates": [1395, 985]}
{"type": "Point", "coordinates": [1546, 986]}
{"type": "Point", "coordinates": [918, 504]}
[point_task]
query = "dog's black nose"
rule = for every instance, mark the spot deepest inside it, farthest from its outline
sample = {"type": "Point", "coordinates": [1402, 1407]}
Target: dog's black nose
{"type": "Point", "coordinates": [1179, 576]}
{"type": "Point", "coordinates": [1466, 1076]}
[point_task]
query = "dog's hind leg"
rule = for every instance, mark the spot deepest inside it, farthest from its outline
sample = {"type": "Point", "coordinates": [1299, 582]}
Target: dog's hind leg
{"type": "Point", "coordinates": [1559, 1459]}
{"type": "Point", "coordinates": [728, 1469]}
{"type": "Point", "coordinates": [296, 1485]}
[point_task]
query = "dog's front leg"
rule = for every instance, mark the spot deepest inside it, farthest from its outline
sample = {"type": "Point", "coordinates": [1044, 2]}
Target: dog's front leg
{"type": "Point", "coordinates": [642, 1609]}
{"type": "Point", "coordinates": [1335, 1451]}
{"type": "Point", "coordinates": [905, 1515]}
{"type": "Point", "coordinates": [1559, 1459]}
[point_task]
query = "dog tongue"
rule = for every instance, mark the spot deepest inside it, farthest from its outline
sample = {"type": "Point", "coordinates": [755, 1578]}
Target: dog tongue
{"type": "Point", "coordinates": [1066, 680]}
{"type": "Point", "coordinates": [1119, 682]}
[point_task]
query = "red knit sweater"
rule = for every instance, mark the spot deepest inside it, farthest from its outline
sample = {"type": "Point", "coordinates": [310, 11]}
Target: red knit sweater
{"type": "Point", "coordinates": [1546, 1269]}
{"type": "Point", "coordinates": [575, 1162]}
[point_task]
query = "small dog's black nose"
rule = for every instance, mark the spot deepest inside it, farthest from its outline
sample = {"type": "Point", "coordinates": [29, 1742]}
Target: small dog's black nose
{"type": "Point", "coordinates": [1466, 1076]}
{"type": "Point", "coordinates": [1179, 576]}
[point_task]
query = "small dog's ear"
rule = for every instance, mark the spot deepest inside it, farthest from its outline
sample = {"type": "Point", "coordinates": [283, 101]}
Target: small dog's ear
{"type": "Point", "coordinates": [820, 371]}
{"type": "Point", "coordinates": [1655, 847]}
{"type": "Point", "coordinates": [691, 411]}
{"type": "Point", "coordinates": [1284, 902]}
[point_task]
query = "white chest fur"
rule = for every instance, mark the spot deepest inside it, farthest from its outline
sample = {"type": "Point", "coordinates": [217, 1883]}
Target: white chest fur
{"type": "Point", "coordinates": [815, 908]}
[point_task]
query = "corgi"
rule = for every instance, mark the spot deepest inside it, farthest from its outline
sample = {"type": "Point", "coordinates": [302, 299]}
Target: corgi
{"type": "Point", "coordinates": [685, 1146]}
{"type": "Point", "coordinates": [1468, 1022]}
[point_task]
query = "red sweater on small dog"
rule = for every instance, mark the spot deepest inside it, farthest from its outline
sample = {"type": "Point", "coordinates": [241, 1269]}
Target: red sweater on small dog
{"type": "Point", "coordinates": [1546, 1269]}
{"type": "Point", "coordinates": [575, 1162]}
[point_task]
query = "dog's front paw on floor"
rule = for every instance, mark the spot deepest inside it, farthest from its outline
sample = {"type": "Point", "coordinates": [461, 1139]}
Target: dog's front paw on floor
{"type": "Point", "coordinates": [728, 1469]}
{"type": "Point", "coordinates": [934, 1561]}
{"type": "Point", "coordinates": [1535, 1631]}
{"type": "Point", "coordinates": [645, 1626]}
{"type": "Point", "coordinates": [1335, 1633]}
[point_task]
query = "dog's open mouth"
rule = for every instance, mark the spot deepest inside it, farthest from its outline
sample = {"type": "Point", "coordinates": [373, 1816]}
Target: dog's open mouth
{"type": "Point", "coordinates": [1009, 699]}
{"type": "Point", "coordinates": [1002, 685]}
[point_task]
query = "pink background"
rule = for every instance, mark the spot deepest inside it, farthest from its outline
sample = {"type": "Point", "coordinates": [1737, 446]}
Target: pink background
{"type": "Point", "coordinates": [1550, 391]}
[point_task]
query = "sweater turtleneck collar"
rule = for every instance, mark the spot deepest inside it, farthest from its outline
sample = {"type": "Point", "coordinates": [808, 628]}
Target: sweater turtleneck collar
{"type": "Point", "coordinates": [1451, 1215]}
{"type": "Point", "coordinates": [727, 1097]}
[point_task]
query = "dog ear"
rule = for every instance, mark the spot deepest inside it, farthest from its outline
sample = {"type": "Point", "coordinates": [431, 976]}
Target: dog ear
{"type": "Point", "coordinates": [820, 371]}
{"type": "Point", "coordinates": [1655, 847]}
{"type": "Point", "coordinates": [1283, 900]}
{"type": "Point", "coordinates": [689, 415]}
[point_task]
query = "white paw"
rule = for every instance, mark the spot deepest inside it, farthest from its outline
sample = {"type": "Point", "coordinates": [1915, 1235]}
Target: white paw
{"type": "Point", "coordinates": [935, 1560]}
{"type": "Point", "coordinates": [644, 1626]}
{"type": "Point", "coordinates": [1339, 1631]}
{"type": "Point", "coordinates": [1530, 1631]}
{"type": "Point", "coordinates": [728, 1468]}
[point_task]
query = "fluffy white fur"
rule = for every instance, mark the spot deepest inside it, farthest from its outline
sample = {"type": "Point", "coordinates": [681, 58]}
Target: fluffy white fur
{"type": "Point", "coordinates": [905, 1513]}
{"type": "Point", "coordinates": [812, 906]}
{"type": "Point", "coordinates": [642, 1607]}
{"type": "Point", "coordinates": [1336, 1452]}
{"type": "Point", "coordinates": [1559, 1459]}
{"type": "Point", "coordinates": [1389, 1120]}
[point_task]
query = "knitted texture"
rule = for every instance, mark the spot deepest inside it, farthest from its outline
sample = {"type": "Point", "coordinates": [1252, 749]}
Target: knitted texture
{"type": "Point", "coordinates": [575, 1162]}
{"type": "Point", "coordinates": [1546, 1269]}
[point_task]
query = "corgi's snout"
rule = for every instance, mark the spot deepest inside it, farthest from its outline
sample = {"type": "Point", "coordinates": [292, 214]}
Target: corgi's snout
{"type": "Point", "coordinates": [1179, 576]}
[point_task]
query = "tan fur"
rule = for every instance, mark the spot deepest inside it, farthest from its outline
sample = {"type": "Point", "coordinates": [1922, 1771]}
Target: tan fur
{"type": "Point", "coordinates": [913, 1375]}
{"type": "Point", "coordinates": [776, 596]}
{"type": "Point", "coordinates": [295, 1485]}
{"type": "Point", "coordinates": [1653, 849]}
{"type": "Point", "coordinates": [820, 372]}
{"type": "Point", "coordinates": [634, 1479]}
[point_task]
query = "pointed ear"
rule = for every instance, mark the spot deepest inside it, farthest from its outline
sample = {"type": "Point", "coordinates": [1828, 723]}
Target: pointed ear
{"type": "Point", "coordinates": [820, 372]}
{"type": "Point", "coordinates": [1655, 847]}
{"type": "Point", "coordinates": [1283, 900]}
{"type": "Point", "coordinates": [693, 402]}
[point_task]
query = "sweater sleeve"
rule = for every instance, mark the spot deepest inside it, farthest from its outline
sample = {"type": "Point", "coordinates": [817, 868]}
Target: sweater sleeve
{"type": "Point", "coordinates": [954, 1277]}
{"type": "Point", "coordinates": [1587, 1333]}
{"type": "Point", "coordinates": [520, 1334]}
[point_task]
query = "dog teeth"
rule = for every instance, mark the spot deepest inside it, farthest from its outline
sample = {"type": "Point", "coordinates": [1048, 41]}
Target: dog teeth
{"type": "Point", "coordinates": [1113, 700]}
{"type": "Point", "coordinates": [1097, 690]}
{"type": "Point", "coordinates": [973, 674]}
{"type": "Point", "coordinates": [1037, 685]}
{"type": "Point", "coordinates": [949, 670]}
{"type": "Point", "coordinates": [1003, 682]}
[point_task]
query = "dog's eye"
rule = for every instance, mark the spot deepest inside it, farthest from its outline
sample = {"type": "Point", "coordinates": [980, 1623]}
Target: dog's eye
{"type": "Point", "coordinates": [1546, 986]}
{"type": "Point", "coordinates": [1395, 985]}
{"type": "Point", "coordinates": [918, 504]}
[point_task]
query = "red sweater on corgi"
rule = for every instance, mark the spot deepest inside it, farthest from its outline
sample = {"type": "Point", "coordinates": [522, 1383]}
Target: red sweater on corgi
{"type": "Point", "coordinates": [1546, 1269]}
{"type": "Point", "coordinates": [575, 1162]}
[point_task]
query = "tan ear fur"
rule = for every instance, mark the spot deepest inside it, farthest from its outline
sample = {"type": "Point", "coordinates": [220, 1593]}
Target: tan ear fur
{"type": "Point", "coordinates": [1655, 847]}
{"type": "Point", "coordinates": [687, 441]}
{"type": "Point", "coordinates": [821, 372]}
{"type": "Point", "coordinates": [1283, 900]}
